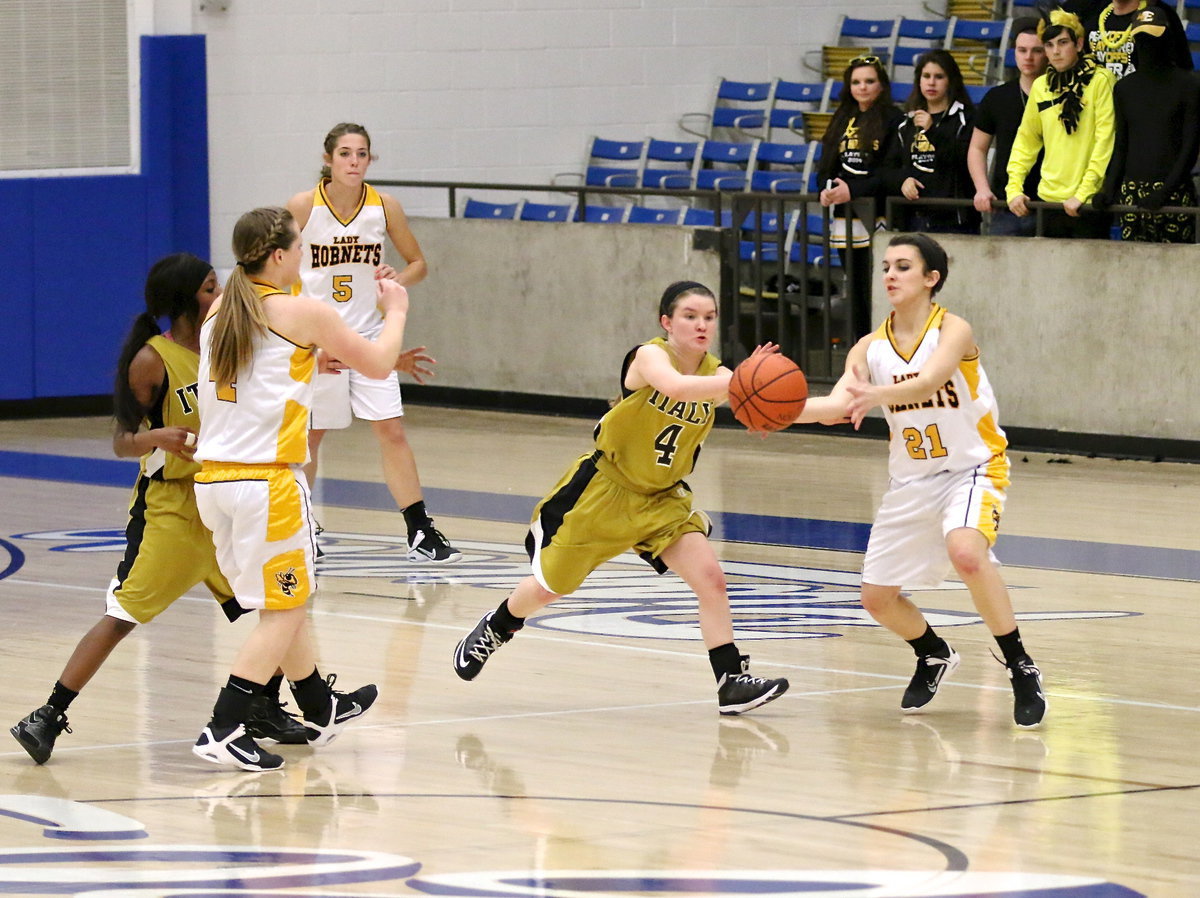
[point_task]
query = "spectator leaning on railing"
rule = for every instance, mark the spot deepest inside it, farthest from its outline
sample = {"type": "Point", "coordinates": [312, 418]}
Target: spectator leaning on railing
{"type": "Point", "coordinates": [1070, 115]}
{"type": "Point", "coordinates": [932, 148]}
{"type": "Point", "coordinates": [996, 119]}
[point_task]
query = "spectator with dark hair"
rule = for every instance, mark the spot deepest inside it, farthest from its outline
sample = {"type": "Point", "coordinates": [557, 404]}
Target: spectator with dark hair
{"type": "Point", "coordinates": [932, 147]}
{"type": "Point", "coordinates": [1070, 115]}
{"type": "Point", "coordinates": [1108, 33]}
{"type": "Point", "coordinates": [855, 147]}
{"type": "Point", "coordinates": [996, 121]}
{"type": "Point", "coordinates": [1158, 109]}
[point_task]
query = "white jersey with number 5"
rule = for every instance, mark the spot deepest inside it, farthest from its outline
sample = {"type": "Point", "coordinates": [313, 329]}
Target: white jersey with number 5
{"type": "Point", "coordinates": [340, 257]}
{"type": "Point", "coordinates": [954, 430]}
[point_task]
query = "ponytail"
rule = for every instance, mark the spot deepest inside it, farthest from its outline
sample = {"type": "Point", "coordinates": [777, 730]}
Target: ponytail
{"type": "Point", "coordinates": [241, 318]}
{"type": "Point", "coordinates": [238, 321]}
{"type": "Point", "coordinates": [331, 141]}
{"type": "Point", "coordinates": [171, 287]}
{"type": "Point", "coordinates": [126, 408]}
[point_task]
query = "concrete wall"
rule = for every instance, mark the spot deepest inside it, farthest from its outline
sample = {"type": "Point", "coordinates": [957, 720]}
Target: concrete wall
{"type": "Point", "coordinates": [1083, 337]}
{"type": "Point", "coordinates": [544, 308]}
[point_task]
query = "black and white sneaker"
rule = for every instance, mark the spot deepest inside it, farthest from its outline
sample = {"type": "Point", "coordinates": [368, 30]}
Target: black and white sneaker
{"type": "Point", "coordinates": [343, 708]}
{"type": "Point", "coordinates": [428, 545]}
{"type": "Point", "coordinates": [269, 719]}
{"type": "Point", "coordinates": [476, 647]}
{"type": "Point", "coordinates": [38, 730]}
{"type": "Point", "coordinates": [234, 748]}
{"type": "Point", "coordinates": [931, 670]}
{"type": "Point", "coordinates": [742, 692]}
{"type": "Point", "coordinates": [1029, 699]}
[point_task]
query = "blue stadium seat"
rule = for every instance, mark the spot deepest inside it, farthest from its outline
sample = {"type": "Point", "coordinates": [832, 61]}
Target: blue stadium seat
{"type": "Point", "coordinates": [500, 211]}
{"type": "Point", "coordinates": [670, 164]}
{"type": "Point", "coordinates": [779, 167]}
{"type": "Point", "coordinates": [735, 158]}
{"type": "Point", "coordinates": [547, 211]}
{"type": "Point", "coordinates": [647, 215]}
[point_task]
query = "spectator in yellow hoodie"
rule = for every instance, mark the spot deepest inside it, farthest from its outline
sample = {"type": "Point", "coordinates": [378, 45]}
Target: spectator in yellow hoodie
{"type": "Point", "coordinates": [1070, 116]}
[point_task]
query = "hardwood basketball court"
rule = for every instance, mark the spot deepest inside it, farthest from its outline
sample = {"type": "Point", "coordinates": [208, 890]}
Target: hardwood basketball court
{"type": "Point", "coordinates": [589, 758]}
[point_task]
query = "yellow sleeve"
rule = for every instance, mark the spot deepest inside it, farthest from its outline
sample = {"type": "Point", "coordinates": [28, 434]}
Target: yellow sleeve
{"type": "Point", "coordinates": [1026, 145]}
{"type": "Point", "coordinates": [1105, 133]}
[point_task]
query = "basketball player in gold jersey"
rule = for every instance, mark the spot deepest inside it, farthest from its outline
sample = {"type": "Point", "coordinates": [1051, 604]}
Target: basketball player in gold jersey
{"type": "Point", "coordinates": [948, 472]}
{"type": "Point", "coordinates": [344, 222]}
{"type": "Point", "coordinates": [167, 548]}
{"type": "Point", "coordinates": [630, 494]}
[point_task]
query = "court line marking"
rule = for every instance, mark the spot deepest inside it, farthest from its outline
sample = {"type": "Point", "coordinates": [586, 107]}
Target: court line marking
{"type": "Point", "coordinates": [648, 650]}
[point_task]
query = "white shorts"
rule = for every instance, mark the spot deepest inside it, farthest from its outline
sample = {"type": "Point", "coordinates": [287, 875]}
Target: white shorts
{"type": "Point", "coordinates": [339, 398]}
{"type": "Point", "coordinates": [907, 547]}
{"type": "Point", "coordinates": [262, 525]}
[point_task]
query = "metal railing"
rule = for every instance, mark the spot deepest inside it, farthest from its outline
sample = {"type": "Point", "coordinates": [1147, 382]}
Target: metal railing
{"type": "Point", "coordinates": [810, 321]}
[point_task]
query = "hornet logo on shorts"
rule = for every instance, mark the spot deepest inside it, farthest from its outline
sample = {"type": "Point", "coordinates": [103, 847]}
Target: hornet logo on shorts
{"type": "Point", "coordinates": [622, 598]}
{"type": "Point", "coordinates": [288, 581]}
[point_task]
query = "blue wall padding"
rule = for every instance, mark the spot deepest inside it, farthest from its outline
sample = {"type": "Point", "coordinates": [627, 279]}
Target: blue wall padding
{"type": "Point", "coordinates": [75, 250]}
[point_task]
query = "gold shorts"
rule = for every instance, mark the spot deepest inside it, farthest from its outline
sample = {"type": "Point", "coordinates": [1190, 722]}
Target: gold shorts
{"type": "Point", "coordinates": [588, 519]}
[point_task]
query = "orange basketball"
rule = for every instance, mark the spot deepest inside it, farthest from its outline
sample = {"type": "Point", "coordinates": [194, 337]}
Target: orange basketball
{"type": "Point", "coordinates": [767, 392]}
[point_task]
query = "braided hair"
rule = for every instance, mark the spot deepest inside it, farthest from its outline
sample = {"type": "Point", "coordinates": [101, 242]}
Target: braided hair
{"type": "Point", "coordinates": [241, 317]}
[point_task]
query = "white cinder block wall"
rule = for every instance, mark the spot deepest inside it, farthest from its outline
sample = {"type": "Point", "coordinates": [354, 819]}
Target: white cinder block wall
{"type": "Point", "coordinates": [471, 90]}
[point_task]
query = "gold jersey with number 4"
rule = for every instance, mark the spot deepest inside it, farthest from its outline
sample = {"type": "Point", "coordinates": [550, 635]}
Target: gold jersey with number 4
{"type": "Point", "coordinates": [651, 439]}
{"type": "Point", "coordinates": [341, 255]}
{"type": "Point", "coordinates": [954, 430]}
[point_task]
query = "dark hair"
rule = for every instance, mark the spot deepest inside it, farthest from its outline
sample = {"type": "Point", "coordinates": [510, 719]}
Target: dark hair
{"type": "Point", "coordinates": [338, 131]}
{"type": "Point", "coordinates": [932, 255]}
{"type": "Point", "coordinates": [171, 287]}
{"type": "Point", "coordinates": [870, 122]}
{"type": "Point", "coordinates": [956, 90]}
{"type": "Point", "coordinates": [676, 292]}
{"type": "Point", "coordinates": [1022, 25]}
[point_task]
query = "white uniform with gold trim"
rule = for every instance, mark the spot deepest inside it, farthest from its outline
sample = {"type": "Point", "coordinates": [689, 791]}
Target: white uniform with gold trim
{"type": "Point", "coordinates": [251, 490]}
{"type": "Point", "coordinates": [947, 464]}
{"type": "Point", "coordinates": [338, 266]}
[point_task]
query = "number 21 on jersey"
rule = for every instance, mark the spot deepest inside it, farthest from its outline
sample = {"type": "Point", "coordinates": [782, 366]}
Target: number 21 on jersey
{"type": "Point", "coordinates": [915, 440]}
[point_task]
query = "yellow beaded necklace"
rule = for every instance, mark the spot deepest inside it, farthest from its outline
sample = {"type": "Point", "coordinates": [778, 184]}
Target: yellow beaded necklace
{"type": "Point", "coordinates": [1115, 39]}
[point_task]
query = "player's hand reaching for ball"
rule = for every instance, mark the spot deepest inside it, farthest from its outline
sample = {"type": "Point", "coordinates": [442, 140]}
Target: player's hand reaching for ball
{"type": "Point", "coordinates": [864, 396]}
{"type": "Point", "coordinates": [767, 348]}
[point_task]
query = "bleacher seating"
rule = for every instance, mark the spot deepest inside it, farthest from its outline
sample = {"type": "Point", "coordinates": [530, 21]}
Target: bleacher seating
{"type": "Point", "coordinates": [648, 215]}
{"type": "Point", "coordinates": [474, 208]}
{"type": "Point", "coordinates": [779, 167]}
{"type": "Point", "coordinates": [547, 212]}
{"type": "Point", "coordinates": [610, 163]}
{"type": "Point", "coordinates": [724, 164]}
{"type": "Point", "coordinates": [670, 164]}
{"type": "Point", "coordinates": [739, 111]}
{"type": "Point", "coordinates": [929, 34]}
{"type": "Point", "coordinates": [791, 101]}
{"type": "Point", "coordinates": [876, 33]}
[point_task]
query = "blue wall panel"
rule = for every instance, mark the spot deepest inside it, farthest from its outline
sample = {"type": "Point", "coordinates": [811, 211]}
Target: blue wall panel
{"type": "Point", "coordinates": [17, 297]}
{"type": "Point", "coordinates": [90, 258]}
{"type": "Point", "coordinates": [75, 251]}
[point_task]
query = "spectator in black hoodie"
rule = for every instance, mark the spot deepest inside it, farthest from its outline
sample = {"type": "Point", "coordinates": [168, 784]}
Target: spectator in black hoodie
{"type": "Point", "coordinates": [855, 146]}
{"type": "Point", "coordinates": [934, 137]}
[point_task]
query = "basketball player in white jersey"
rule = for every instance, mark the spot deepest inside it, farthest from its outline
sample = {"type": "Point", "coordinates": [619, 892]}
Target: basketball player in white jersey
{"type": "Point", "coordinates": [948, 471]}
{"type": "Point", "coordinates": [344, 222]}
{"type": "Point", "coordinates": [257, 363]}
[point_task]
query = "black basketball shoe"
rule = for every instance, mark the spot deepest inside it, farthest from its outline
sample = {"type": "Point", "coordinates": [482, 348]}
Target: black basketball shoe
{"type": "Point", "coordinates": [931, 670]}
{"type": "Point", "coordinates": [37, 732]}
{"type": "Point", "coordinates": [269, 720]}
{"type": "Point", "coordinates": [1029, 699]}
{"type": "Point", "coordinates": [343, 707]}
